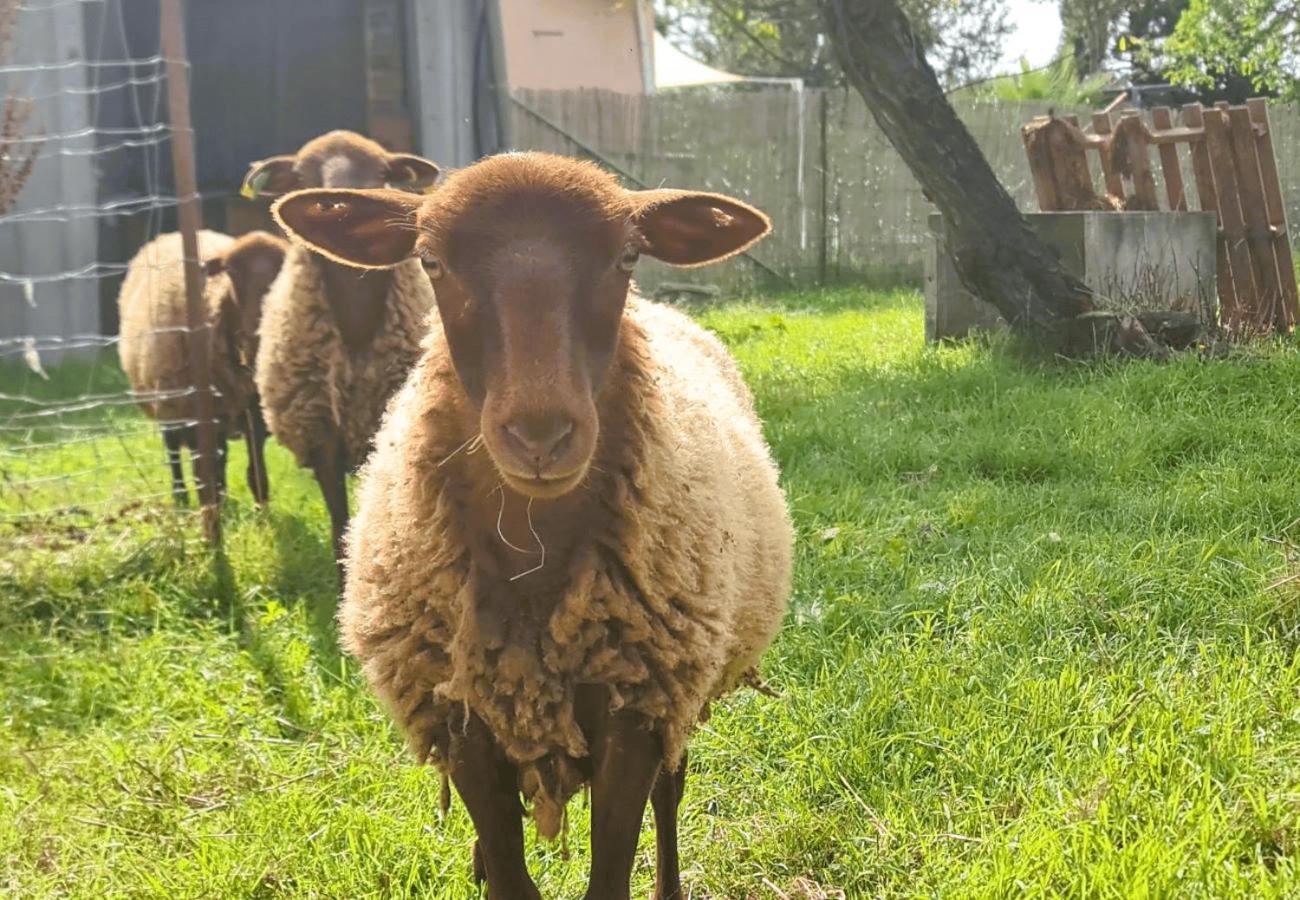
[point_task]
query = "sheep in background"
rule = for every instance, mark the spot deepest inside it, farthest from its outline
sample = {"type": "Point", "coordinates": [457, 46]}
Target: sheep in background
{"type": "Point", "coordinates": [570, 537]}
{"type": "Point", "coordinates": [154, 344]}
{"type": "Point", "coordinates": [337, 341]}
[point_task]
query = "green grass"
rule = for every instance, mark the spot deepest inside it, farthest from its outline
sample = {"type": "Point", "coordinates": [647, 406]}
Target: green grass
{"type": "Point", "coordinates": [1037, 645]}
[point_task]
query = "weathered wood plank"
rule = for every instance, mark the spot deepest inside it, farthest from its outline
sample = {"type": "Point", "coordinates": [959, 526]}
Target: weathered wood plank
{"type": "Point", "coordinates": [1275, 206]}
{"type": "Point", "coordinates": [1241, 316]}
{"type": "Point", "coordinates": [1114, 184]}
{"type": "Point", "coordinates": [1208, 197]}
{"type": "Point", "coordinates": [1169, 165]}
{"type": "Point", "coordinates": [1131, 134]}
{"type": "Point", "coordinates": [1255, 214]}
{"type": "Point", "coordinates": [1042, 167]}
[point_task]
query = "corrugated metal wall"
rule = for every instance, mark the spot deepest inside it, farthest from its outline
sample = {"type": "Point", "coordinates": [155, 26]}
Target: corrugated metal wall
{"type": "Point", "coordinates": [44, 237]}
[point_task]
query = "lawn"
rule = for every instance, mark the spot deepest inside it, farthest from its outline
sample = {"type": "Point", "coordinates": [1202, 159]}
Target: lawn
{"type": "Point", "coordinates": [1041, 642]}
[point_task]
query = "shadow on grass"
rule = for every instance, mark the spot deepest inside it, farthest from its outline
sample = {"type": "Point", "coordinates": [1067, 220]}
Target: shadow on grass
{"type": "Point", "coordinates": [306, 575]}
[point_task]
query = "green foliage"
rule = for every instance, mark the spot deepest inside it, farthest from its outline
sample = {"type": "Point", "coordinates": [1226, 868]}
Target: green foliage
{"type": "Point", "coordinates": [1259, 39]}
{"type": "Point", "coordinates": [1057, 82]}
{"type": "Point", "coordinates": [1098, 32]}
{"type": "Point", "coordinates": [1042, 643]}
{"type": "Point", "coordinates": [787, 37]}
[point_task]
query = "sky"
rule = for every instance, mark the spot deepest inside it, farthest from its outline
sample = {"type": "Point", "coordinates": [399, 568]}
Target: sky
{"type": "Point", "coordinates": [1037, 34]}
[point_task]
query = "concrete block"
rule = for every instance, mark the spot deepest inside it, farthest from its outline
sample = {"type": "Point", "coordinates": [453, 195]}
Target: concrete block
{"type": "Point", "coordinates": [1134, 261]}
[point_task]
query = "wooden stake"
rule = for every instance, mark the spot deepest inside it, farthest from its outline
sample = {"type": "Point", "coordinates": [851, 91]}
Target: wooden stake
{"type": "Point", "coordinates": [189, 217]}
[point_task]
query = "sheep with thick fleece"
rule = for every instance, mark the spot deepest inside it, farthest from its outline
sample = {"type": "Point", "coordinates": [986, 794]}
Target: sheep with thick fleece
{"type": "Point", "coordinates": [154, 344]}
{"type": "Point", "coordinates": [570, 537]}
{"type": "Point", "coordinates": [337, 343]}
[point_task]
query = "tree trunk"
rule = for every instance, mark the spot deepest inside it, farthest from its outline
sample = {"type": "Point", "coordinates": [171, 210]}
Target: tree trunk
{"type": "Point", "coordinates": [996, 255]}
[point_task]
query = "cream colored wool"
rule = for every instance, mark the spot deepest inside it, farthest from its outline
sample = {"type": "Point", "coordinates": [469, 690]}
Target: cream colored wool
{"type": "Point", "coordinates": [154, 342]}
{"type": "Point", "coordinates": [672, 592]}
{"type": "Point", "coordinates": [312, 386]}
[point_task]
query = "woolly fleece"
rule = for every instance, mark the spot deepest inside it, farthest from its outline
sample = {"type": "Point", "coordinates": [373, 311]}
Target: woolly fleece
{"type": "Point", "coordinates": [673, 591]}
{"type": "Point", "coordinates": [154, 343]}
{"type": "Point", "coordinates": [312, 386]}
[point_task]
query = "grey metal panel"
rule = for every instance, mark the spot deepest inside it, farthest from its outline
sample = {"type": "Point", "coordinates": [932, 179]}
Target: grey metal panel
{"type": "Point", "coordinates": [441, 53]}
{"type": "Point", "coordinates": [59, 180]}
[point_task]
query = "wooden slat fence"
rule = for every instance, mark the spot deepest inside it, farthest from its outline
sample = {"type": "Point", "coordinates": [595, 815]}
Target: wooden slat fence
{"type": "Point", "coordinates": [844, 204]}
{"type": "Point", "coordinates": [1234, 169]}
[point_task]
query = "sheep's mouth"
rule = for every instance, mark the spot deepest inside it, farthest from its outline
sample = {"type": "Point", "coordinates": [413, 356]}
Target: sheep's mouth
{"type": "Point", "coordinates": [545, 487]}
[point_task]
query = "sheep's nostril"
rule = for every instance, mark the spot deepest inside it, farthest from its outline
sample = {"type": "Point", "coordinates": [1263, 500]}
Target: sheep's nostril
{"type": "Point", "coordinates": [540, 438]}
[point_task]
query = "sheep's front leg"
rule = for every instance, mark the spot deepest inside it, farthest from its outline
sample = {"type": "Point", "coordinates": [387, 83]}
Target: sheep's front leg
{"type": "Point", "coordinates": [489, 787]}
{"type": "Point", "coordinates": [665, 799]}
{"type": "Point", "coordinates": [331, 471]}
{"type": "Point", "coordinates": [626, 755]}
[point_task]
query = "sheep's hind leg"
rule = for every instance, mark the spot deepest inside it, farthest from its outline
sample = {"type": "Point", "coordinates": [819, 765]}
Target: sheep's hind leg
{"type": "Point", "coordinates": [173, 439]}
{"type": "Point", "coordinates": [223, 454]}
{"type": "Point", "coordinates": [255, 439]}
{"type": "Point", "coordinates": [666, 797]}
{"type": "Point", "coordinates": [626, 756]}
{"type": "Point", "coordinates": [489, 787]}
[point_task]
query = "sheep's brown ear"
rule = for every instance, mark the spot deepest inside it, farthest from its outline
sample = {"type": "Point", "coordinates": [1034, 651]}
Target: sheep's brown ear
{"type": "Point", "coordinates": [371, 229]}
{"type": "Point", "coordinates": [214, 266]}
{"type": "Point", "coordinates": [410, 172]}
{"type": "Point", "coordinates": [691, 228]}
{"type": "Point", "coordinates": [270, 178]}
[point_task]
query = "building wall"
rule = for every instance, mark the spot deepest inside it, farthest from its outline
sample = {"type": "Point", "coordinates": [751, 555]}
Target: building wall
{"type": "Point", "coordinates": [561, 44]}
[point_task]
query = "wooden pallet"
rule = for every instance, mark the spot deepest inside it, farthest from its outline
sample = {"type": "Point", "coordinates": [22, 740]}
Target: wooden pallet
{"type": "Point", "coordinates": [1234, 171]}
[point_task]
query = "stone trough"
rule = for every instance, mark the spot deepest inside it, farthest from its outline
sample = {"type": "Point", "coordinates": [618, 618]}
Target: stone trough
{"type": "Point", "coordinates": [1135, 262]}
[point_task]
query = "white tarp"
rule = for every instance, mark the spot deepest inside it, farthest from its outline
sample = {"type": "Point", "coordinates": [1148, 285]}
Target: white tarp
{"type": "Point", "coordinates": [673, 68]}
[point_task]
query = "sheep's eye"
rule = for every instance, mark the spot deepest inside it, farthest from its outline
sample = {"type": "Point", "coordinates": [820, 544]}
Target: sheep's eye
{"type": "Point", "coordinates": [627, 262]}
{"type": "Point", "coordinates": [432, 267]}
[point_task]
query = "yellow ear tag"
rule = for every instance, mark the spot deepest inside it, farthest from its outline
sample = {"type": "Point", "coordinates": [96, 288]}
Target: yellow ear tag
{"type": "Point", "coordinates": [252, 186]}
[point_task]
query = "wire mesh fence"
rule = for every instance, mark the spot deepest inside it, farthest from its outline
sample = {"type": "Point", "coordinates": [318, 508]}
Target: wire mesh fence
{"type": "Point", "coordinates": [77, 454]}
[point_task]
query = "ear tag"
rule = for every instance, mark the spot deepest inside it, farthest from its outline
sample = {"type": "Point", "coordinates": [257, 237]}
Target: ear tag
{"type": "Point", "coordinates": [253, 186]}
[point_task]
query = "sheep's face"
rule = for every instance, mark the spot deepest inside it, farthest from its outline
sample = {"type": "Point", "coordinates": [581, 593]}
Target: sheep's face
{"type": "Point", "coordinates": [338, 159]}
{"type": "Point", "coordinates": [252, 263]}
{"type": "Point", "coordinates": [531, 258]}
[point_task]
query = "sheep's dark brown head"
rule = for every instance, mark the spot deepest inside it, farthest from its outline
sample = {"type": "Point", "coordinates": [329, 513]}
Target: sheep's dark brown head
{"type": "Point", "coordinates": [252, 262]}
{"type": "Point", "coordinates": [338, 159]}
{"type": "Point", "coordinates": [531, 257]}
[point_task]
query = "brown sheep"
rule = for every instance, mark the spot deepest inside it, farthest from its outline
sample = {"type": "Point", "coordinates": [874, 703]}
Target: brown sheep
{"type": "Point", "coordinates": [561, 608]}
{"type": "Point", "coordinates": [337, 342]}
{"type": "Point", "coordinates": [154, 344]}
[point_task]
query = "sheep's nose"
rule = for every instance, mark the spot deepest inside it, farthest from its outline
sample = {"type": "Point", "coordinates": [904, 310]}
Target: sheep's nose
{"type": "Point", "coordinates": [539, 437]}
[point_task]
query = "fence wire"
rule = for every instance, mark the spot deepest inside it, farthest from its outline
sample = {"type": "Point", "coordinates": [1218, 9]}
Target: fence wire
{"type": "Point", "coordinates": [77, 453]}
